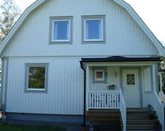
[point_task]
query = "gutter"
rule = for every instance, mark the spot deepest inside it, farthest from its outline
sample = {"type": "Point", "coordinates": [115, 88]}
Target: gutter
{"type": "Point", "coordinates": [84, 119]}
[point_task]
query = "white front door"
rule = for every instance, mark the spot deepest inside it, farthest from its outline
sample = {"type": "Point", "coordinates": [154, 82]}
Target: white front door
{"type": "Point", "coordinates": [131, 88]}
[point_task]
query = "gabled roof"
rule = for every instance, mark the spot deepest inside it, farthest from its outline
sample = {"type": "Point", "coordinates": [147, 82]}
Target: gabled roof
{"type": "Point", "coordinates": [122, 3]}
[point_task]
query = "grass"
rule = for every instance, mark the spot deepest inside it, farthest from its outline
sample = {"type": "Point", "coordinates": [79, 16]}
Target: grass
{"type": "Point", "coordinates": [14, 127]}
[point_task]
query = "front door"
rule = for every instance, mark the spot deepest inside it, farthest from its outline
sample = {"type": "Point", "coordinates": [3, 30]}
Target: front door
{"type": "Point", "coordinates": [131, 88]}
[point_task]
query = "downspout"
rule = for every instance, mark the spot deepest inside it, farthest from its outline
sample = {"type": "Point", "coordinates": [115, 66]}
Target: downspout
{"type": "Point", "coordinates": [84, 119]}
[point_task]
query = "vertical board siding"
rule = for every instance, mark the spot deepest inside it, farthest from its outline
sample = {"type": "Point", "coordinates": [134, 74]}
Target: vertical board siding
{"type": "Point", "coordinates": [112, 77]}
{"type": "Point", "coordinates": [65, 87]}
{"type": "Point", "coordinates": [123, 35]}
{"type": "Point", "coordinates": [31, 44]}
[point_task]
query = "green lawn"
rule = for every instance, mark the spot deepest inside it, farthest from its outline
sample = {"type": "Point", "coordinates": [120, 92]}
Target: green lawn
{"type": "Point", "coordinates": [13, 127]}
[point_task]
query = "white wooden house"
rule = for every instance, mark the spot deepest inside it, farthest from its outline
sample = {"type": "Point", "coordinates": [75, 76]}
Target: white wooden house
{"type": "Point", "coordinates": [64, 58]}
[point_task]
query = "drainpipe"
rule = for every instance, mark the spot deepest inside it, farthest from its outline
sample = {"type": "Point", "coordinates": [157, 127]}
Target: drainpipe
{"type": "Point", "coordinates": [84, 119]}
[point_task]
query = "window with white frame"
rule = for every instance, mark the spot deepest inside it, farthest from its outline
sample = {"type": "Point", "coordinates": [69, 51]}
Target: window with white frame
{"type": "Point", "coordinates": [36, 77]}
{"type": "Point", "coordinates": [99, 75]}
{"type": "Point", "coordinates": [93, 29]}
{"type": "Point", "coordinates": [61, 29]}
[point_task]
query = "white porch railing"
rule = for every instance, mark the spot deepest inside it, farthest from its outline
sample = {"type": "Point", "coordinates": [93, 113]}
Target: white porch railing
{"type": "Point", "coordinates": [123, 110]}
{"type": "Point", "coordinates": [158, 107]}
{"type": "Point", "coordinates": [108, 100]}
{"type": "Point", "coordinates": [104, 100]}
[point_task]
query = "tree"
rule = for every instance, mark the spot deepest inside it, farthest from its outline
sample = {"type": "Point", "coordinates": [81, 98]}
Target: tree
{"type": "Point", "coordinates": [9, 13]}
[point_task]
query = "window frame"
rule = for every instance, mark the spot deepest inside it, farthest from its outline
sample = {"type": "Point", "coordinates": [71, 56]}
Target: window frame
{"type": "Point", "coordinates": [69, 32]}
{"type": "Point", "coordinates": [103, 75]}
{"type": "Point", "coordinates": [102, 33]}
{"type": "Point", "coordinates": [28, 65]}
{"type": "Point", "coordinates": [103, 70]}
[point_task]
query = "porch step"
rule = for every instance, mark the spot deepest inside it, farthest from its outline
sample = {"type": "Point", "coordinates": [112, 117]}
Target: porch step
{"type": "Point", "coordinates": [141, 119]}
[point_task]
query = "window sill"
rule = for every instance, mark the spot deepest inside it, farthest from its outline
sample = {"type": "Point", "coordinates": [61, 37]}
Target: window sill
{"type": "Point", "coordinates": [60, 42]}
{"type": "Point", "coordinates": [93, 42]}
{"type": "Point", "coordinates": [36, 91]}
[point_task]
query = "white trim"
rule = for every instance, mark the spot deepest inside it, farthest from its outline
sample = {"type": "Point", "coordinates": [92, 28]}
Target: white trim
{"type": "Point", "coordinates": [101, 29]}
{"type": "Point", "coordinates": [28, 65]}
{"type": "Point", "coordinates": [129, 64]}
{"type": "Point", "coordinates": [36, 89]}
{"type": "Point", "coordinates": [68, 30]}
{"type": "Point", "coordinates": [99, 79]}
{"type": "Point", "coordinates": [87, 86]}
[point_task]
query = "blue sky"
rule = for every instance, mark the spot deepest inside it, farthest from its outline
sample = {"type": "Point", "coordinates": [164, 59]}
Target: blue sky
{"type": "Point", "coordinates": [151, 11]}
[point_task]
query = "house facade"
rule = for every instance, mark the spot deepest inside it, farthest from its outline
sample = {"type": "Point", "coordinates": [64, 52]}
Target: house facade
{"type": "Point", "coordinates": [64, 58]}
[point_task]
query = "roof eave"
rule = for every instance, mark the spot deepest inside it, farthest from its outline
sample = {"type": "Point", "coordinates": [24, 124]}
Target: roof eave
{"type": "Point", "coordinates": [18, 23]}
{"type": "Point", "coordinates": [143, 26]}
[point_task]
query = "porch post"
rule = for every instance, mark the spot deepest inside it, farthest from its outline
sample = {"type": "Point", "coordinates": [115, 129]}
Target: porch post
{"type": "Point", "coordinates": [160, 81]}
{"type": "Point", "coordinates": [87, 87]}
{"type": "Point", "coordinates": [154, 78]}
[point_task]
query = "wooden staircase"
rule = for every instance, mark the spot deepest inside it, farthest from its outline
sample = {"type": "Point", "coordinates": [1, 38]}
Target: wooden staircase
{"type": "Point", "coordinates": [142, 120]}
{"type": "Point", "coordinates": [138, 119]}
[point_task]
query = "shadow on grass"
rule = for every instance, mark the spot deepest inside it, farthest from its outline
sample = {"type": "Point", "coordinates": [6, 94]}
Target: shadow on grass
{"type": "Point", "coordinates": [13, 127]}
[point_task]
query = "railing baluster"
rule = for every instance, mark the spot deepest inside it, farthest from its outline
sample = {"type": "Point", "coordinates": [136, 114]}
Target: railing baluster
{"type": "Point", "coordinates": [104, 100]}
{"type": "Point", "coordinates": [89, 102]}
{"type": "Point", "coordinates": [92, 100]}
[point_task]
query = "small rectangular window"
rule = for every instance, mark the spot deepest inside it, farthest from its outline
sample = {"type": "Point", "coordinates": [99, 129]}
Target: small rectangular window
{"type": "Point", "coordinates": [99, 75]}
{"type": "Point", "coordinates": [36, 77]}
{"type": "Point", "coordinates": [61, 29]}
{"type": "Point", "coordinates": [93, 29]}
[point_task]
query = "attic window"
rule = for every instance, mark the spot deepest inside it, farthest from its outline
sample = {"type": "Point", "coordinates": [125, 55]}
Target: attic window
{"type": "Point", "coordinates": [93, 29]}
{"type": "Point", "coordinates": [61, 29]}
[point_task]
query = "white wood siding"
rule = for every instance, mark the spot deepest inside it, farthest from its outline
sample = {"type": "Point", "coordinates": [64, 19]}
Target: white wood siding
{"type": "Point", "coordinates": [65, 87]}
{"type": "Point", "coordinates": [112, 77]}
{"type": "Point", "coordinates": [123, 35]}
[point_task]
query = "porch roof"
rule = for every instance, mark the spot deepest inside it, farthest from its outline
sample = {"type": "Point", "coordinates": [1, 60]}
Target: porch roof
{"type": "Point", "coordinates": [122, 59]}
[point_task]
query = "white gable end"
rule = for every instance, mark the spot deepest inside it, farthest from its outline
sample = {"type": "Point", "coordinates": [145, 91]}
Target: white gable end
{"type": "Point", "coordinates": [123, 35]}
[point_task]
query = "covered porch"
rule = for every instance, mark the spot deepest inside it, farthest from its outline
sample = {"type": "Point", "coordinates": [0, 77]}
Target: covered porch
{"type": "Point", "coordinates": [119, 83]}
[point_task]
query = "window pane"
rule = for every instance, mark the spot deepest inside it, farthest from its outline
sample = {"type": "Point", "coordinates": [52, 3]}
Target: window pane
{"type": "Point", "coordinates": [61, 30]}
{"type": "Point", "coordinates": [130, 79]}
{"type": "Point", "coordinates": [36, 78]}
{"type": "Point", "coordinates": [93, 29]}
{"type": "Point", "coordinates": [99, 75]}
